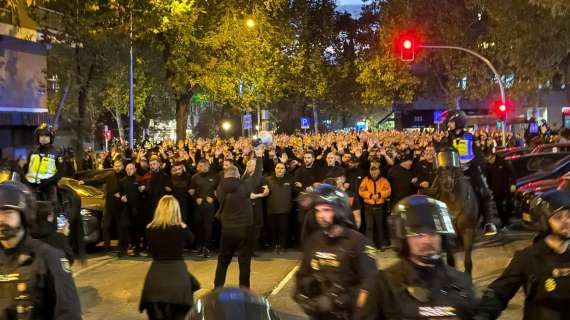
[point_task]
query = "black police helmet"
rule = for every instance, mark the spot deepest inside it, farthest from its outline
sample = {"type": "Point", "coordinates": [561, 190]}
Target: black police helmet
{"type": "Point", "coordinates": [17, 196]}
{"type": "Point", "coordinates": [457, 116]}
{"type": "Point", "coordinates": [232, 303]}
{"type": "Point", "coordinates": [328, 194]}
{"type": "Point", "coordinates": [545, 206]}
{"type": "Point", "coordinates": [44, 130]}
{"type": "Point", "coordinates": [419, 214]}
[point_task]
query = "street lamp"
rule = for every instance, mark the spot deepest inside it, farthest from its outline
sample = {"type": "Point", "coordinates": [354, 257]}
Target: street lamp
{"type": "Point", "coordinates": [250, 23]}
{"type": "Point", "coordinates": [226, 126]}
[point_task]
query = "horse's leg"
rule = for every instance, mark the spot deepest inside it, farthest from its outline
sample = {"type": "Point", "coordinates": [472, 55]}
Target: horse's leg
{"type": "Point", "coordinates": [468, 239]}
{"type": "Point", "coordinates": [449, 253]}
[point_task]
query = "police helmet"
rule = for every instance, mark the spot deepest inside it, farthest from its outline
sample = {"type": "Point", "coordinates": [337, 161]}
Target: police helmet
{"type": "Point", "coordinates": [44, 130]}
{"type": "Point", "coordinates": [17, 196]}
{"type": "Point", "coordinates": [232, 303]}
{"type": "Point", "coordinates": [328, 194]}
{"type": "Point", "coordinates": [419, 214]}
{"type": "Point", "coordinates": [545, 206]}
{"type": "Point", "coordinates": [447, 157]}
{"type": "Point", "coordinates": [457, 116]}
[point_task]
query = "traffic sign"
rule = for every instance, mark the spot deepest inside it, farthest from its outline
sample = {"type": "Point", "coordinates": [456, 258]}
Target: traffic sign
{"type": "Point", "coordinates": [305, 122]}
{"type": "Point", "coordinates": [247, 123]}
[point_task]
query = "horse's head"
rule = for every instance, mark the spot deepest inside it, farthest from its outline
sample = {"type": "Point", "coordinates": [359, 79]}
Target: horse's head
{"type": "Point", "coordinates": [446, 179]}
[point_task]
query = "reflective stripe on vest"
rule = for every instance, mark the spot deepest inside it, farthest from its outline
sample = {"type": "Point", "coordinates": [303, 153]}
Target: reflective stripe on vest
{"type": "Point", "coordinates": [40, 168]}
{"type": "Point", "coordinates": [465, 149]}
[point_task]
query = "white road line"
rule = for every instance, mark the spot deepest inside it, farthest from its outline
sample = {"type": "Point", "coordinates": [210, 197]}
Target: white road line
{"type": "Point", "coordinates": [284, 281]}
{"type": "Point", "coordinates": [93, 266]}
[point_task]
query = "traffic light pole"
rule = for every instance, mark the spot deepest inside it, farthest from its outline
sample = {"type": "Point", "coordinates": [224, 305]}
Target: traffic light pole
{"type": "Point", "coordinates": [497, 77]}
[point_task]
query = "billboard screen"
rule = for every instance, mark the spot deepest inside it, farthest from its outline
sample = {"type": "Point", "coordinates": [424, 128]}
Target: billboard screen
{"type": "Point", "coordinates": [23, 67]}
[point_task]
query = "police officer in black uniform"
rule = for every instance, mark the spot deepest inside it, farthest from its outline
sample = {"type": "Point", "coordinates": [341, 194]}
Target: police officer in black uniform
{"type": "Point", "coordinates": [472, 161]}
{"type": "Point", "coordinates": [420, 285]}
{"type": "Point", "coordinates": [543, 269]}
{"type": "Point", "coordinates": [337, 260]}
{"type": "Point", "coordinates": [35, 278]}
{"type": "Point", "coordinates": [45, 165]}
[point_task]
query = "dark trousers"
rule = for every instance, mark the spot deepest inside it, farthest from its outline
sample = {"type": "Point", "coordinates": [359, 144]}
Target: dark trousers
{"type": "Point", "coordinates": [279, 224]}
{"type": "Point", "coordinates": [136, 229]}
{"type": "Point", "coordinates": [234, 240]}
{"type": "Point", "coordinates": [114, 216]}
{"type": "Point", "coordinates": [375, 216]}
{"type": "Point", "coordinates": [203, 220]}
{"type": "Point", "coordinates": [504, 209]}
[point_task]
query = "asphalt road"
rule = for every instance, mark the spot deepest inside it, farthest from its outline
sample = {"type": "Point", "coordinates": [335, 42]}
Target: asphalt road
{"type": "Point", "coordinates": [110, 288]}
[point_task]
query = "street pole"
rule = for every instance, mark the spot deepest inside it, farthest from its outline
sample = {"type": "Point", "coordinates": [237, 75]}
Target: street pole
{"type": "Point", "coordinates": [490, 65]}
{"type": "Point", "coordinates": [131, 89]}
{"type": "Point", "coordinates": [315, 117]}
{"type": "Point", "coordinates": [106, 138]}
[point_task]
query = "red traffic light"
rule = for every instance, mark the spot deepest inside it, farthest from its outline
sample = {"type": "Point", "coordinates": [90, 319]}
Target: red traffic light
{"type": "Point", "coordinates": [501, 109]}
{"type": "Point", "coordinates": [108, 134]}
{"type": "Point", "coordinates": [407, 48]}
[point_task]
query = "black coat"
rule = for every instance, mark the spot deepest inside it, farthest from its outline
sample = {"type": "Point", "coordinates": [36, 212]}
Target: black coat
{"type": "Point", "coordinates": [49, 287]}
{"type": "Point", "coordinates": [334, 269]}
{"type": "Point", "coordinates": [235, 205]}
{"type": "Point", "coordinates": [130, 189]}
{"type": "Point", "coordinates": [545, 277]}
{"type": "Point", "coordinates": [156, 187]}
{"type": "Point", "coordinates": [280, 199]}
{"type": "Point", "coordinates": [168, 279]}
{"type": "Point", "coordinates": [406, 291]}
{"type": "Point", "coordinates": [401, 182]}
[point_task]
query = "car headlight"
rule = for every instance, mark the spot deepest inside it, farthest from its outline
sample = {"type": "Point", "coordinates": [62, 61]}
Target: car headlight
{"type": "Point", "coordinates": [86, 213]}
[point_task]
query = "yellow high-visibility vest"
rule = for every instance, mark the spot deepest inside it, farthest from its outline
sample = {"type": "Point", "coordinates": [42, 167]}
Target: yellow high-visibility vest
{"type": "Point", "coordinates": [41, 167]}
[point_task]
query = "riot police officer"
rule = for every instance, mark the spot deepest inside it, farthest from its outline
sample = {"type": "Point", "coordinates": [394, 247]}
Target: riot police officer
{"type": "Point", "coordinates": [472, 161]}
{"type": "Point", "coordinates": [44, 165]}
{"type": "Point", "coordinates": [337, 260]}
{"type": "Point", "coordinates": [543, 269]}
{"type": "Point", "coordinates": [420, 285]}
{"type": "Point", "coordinates": [35, 278]}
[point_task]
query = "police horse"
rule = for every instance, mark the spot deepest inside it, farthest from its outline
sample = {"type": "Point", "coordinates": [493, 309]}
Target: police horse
{"type": "Point", "coordinates": [454, 188]}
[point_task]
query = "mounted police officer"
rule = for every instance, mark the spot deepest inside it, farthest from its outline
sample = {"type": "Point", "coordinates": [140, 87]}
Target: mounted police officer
{"type": "Point", "coordinates": [471, 159]}
{"type": "Point", "coordinates": [337, 260]}
{"type": "Point", "coordinates": [44, 166]}
{"type": "Point", "coordinates": [35, 278]}
{"type": "Point", "coordinates": [543, 269]}
{"type": "Point", "coordinates": [420, 285]}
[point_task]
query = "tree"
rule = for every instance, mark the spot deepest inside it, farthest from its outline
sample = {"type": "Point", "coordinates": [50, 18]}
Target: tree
{"type": "Point", "coordinates": [530, 43]}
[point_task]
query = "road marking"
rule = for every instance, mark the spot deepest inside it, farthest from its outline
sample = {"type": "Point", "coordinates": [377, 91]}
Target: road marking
{"type": "Point", "coordinates": [284, 281]}
{"type": "Point", "coordinates": [93, 266]}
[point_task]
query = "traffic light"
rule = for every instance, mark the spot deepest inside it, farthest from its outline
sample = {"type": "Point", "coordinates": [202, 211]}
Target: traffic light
{"type": "Point", "coordinates": [407, 48]}
{"type": "Point", "coordinates": [501, 109]}
{"type": "Point", "coordinates": [108, 134]}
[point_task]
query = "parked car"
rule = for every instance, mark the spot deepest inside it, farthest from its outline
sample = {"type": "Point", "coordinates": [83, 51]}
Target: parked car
{"type": "Point", "coordinates": [547, 171]}
{"type": "Point", "coordinates": [525, 193]}
{"type": "Point", "coordinates": [511, 151]}
{"type": "Point", "coordinates": [527, 164]}
{"type": "Point", "coordinates": [92, 205]}
{"type": "Point", "coordinates": [552, 147]}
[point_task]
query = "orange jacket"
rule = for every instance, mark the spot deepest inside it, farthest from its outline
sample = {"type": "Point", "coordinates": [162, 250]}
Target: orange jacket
{"type": "Point", "coordinates": [369, 187]}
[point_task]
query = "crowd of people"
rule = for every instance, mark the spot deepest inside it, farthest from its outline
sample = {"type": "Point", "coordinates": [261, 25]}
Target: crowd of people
{"type": "Point", "coordinates": [376, 169]}
{"type": "Point", "coordinates": [340, 197]}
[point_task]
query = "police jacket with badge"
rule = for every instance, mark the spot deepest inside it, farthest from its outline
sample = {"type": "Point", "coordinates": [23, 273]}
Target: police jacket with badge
{"type": "Point", "coordinates": [334, 268]}
{"type": "Point", "coordinates": [35, 278]}
{"type": "Point", "coordinates": [542, 272]}
{"type": "Point", "coordinates": [40, 277]}
{"type": "Point", "coordinates": [408, 290]}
